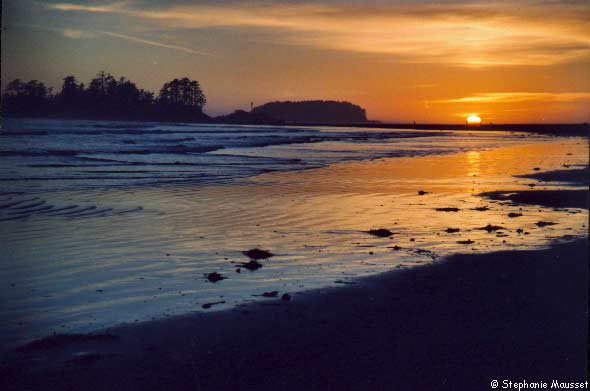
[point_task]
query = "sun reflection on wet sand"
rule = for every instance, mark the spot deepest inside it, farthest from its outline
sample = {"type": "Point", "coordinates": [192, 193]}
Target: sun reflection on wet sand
{"type": "Point", "coordinates": [473, 159]}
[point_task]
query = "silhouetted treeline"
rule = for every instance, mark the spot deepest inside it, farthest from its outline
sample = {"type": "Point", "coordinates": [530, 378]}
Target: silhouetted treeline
{"type": "Point", "coordinates": [106, 97]}
{"type": "Point", "coordinates": [313, 111]}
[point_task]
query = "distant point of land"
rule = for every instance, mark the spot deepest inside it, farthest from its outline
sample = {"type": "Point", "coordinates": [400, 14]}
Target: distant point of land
{"type": "Point", "coordinates": [582, 130]}
{"type": "Point", "coordinates": [325, 112]}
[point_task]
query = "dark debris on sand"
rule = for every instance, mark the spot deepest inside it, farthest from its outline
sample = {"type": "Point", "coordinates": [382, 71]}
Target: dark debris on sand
{"type": "Point", "coordinates": [514, 214]}
{"type": "Point", "coordinates": [252, 265]}
{"type": "Point", "coordinates": [579, 176]}
{"type": "Point", "coordinates": [481, 208]}
{"type": "Point", "coordinates": [452, 230]}
{"type": "Point", "coordinates": [429, 253]}
{"type": "Point", "coordinates": [468, 241]}
{"type": "Point", "coordinates": [209, 305]}
{"type": "Point", "coordinates": [381, 232]}
{"type": "Point", "coordinates": [257, 253]}
{"type": "Point", "coordinates": [214, 277]}
{"type": "Point", "coordinates": [542, 224]}
{"type": "Point", "coordinates": [422, 192]}
{"type": "Point", "coordinates": [491, 228]}
{"type": "Point", "coordinates": [447, 209]}
{"type": "Point", "coordinates": [345, 282]}
{"type": "Point", "coordinates": [547, 198]}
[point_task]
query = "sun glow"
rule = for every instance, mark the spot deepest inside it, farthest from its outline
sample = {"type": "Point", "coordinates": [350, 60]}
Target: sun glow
{"type": "Point", "coordinates": [473, 120]}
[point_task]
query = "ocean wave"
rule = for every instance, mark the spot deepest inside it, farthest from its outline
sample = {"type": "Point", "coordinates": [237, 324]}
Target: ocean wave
{"type": "Point", "coordinates": [31, 153]}
{"type": "Point", "coordinates": [26, 207]}
{"type": "Point", "coordinates": [172, 149]}
{"type": "Point", "coordinates": [167, 149]}
{"type": "Point", "coordinates": [135, 131]}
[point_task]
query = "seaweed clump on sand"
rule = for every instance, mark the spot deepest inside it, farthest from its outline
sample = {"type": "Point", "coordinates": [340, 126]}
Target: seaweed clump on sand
{"type": "Point", "coordinates": [214, 277]}
{"type": "Point", "coordinates": [491, 228]}
{"type": "Point", "coordinates": [209, 305]}
{"type": "Point", "coordinates": [542, 224]}
{"type": "Point", "coordinates": [257, 253]}
{"type": "Point", "coordinates": [447, 209]}
{"type": "Point", "coordinates": [252, 265]}
{"type": "Point", "coordinates": [254, 254]}
{"type": "Point", "coordinates": [381, 232]}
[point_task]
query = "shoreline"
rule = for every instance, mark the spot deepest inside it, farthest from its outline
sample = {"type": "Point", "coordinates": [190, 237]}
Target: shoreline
{"type": "Point", "coordinates": [455, 324]}
{"type": "Point", "coordinates": [563, 130]}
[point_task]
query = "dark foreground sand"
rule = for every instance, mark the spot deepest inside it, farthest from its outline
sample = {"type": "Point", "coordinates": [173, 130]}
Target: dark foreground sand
{"type": "Point", "coordinates": [454, 325]}
{"type": "Point", "coordinates": [551, 198]}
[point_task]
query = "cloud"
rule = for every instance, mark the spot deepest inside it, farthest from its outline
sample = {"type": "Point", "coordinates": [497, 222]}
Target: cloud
{"type": "Point", "coordinates": [110, 8]}
{"type": "Point", "coordinates": [518, 97]}
{"type": "Point", "coordinates": [75, 34]}
{"type": "Point", "coordinates": [79, 34]}
{"type": "Point", "coordinates": [153, 43]}
{"type": "Point", "coordinates": [473, 35]}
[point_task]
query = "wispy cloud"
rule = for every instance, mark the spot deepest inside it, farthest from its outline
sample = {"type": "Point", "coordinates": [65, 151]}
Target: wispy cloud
{"type": "Point", "coordinates": [109, 8]}
{"type": "Point", "coordinates": [81, 34]}
{"type": "Point", "coordinates": [153, 43]}
{"type": "Point", "coordinates": [517, 97]}
{"type": "Point", "coordinates": [480, 35]}
{"type": "Point", "coordinates": [75, 34]}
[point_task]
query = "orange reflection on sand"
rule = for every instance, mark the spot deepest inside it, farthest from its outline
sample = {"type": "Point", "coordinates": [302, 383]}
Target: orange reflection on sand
{"type": "Point", "coordinates": [444, 173]}
{"type": "Point", "coordinates": [473, 159]}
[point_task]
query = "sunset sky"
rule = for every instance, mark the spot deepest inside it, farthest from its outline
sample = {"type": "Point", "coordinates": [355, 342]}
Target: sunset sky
{"type": "Point", "coordinates": [401, 60]}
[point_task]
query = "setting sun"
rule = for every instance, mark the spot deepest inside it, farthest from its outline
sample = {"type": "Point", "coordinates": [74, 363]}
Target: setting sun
{"type": "Point", "coordinates": [473, 120]}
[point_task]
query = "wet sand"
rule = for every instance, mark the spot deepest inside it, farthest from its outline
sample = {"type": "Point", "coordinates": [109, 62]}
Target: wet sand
{"type": "Point", "coordinates": [550, 198]}
{"type": "Point", "coordinates": [547, 198]}
{"type": "Point", "coordinates": [456, 324]}
{"type": "Point", "coordinates": [580, 176]}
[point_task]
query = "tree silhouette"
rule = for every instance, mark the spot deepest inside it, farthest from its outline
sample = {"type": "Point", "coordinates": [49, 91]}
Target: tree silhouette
{"type": "Point", "coordinates": [182, 93]}
{"type": "Point", "coordinates": [106, 97]}
{"type": "Point", "coordinates": [20, 97]}
{"type": "Point", "coordinates": [71, 97]}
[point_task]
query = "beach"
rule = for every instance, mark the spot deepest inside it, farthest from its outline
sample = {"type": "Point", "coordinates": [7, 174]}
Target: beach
{"type": "Point", "coordinates": [453, 325]}
{"type": "Point", "coordinates": [300, 258]}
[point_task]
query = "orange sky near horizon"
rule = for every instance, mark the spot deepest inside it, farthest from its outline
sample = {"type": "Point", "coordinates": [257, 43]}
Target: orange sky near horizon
{"type": "Point", "coordinates": [402, 61]}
